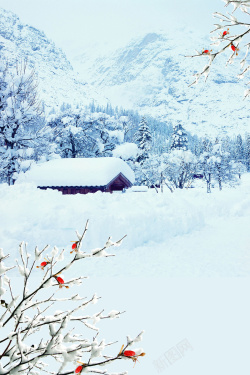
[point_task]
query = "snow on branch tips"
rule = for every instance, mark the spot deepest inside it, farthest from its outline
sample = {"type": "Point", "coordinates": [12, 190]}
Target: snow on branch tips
{"type": "Point", "coordinates": [226, 37]}
{"type": "Point", "coordinates": [35, 337]}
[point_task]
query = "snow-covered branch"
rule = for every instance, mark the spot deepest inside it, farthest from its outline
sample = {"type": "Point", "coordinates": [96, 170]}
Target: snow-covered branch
{"type": "Point", "coordinates": [25, 318]}
{"type": "Point", "coordinates": [227, 39]}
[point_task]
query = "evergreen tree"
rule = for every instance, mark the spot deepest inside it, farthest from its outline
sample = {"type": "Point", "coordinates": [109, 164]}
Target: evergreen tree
{"type": "Point", "coordinates": [143, 138]}
{"type": "Point", "coordinates": [179, 138]}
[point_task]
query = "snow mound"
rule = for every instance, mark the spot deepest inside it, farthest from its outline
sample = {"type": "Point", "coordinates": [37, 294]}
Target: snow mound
{"type": "Point", "coordinates": [126, 151]}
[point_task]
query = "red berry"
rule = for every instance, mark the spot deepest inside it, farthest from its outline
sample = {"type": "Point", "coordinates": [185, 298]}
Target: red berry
{"type": "Point", "coordinates": [129, 353]}
{"type": "Point", "coordinates": [78, 369]}
{"type": "Point", "coordinates": [206, 51]}
{"type": "Point", "coordinates": [233, 47]}
{"type": "Point", "coordinates": [43, 264]}
{"type": "Point", "coordinates": [74, 245]}
{"type": "Point", "coordinates": [224, 33]}
{"type": "Point", "coordinates": [60, 280]}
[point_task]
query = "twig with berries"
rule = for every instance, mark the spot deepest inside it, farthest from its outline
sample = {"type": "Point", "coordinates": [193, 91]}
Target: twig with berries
{"type": "Point", "coordinates": [18, 355]}
{"type": "Point", "coordinates": [123, 354]}
{"type": "Point", "coordinates": [228, 40]}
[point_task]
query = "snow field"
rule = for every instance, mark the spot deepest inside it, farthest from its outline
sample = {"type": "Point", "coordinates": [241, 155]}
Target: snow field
{"type": "Point", "coordinates": [144, 217]}
{"type": "Point", "coordinates": [187, 233]}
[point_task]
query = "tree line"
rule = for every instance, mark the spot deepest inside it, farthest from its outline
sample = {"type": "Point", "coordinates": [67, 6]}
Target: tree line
{"type": "Point", "coordinates": [164, 153]}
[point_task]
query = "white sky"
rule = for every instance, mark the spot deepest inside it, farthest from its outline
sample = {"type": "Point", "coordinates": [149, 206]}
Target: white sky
{"type": "Point", "coordinates": [76, 23]}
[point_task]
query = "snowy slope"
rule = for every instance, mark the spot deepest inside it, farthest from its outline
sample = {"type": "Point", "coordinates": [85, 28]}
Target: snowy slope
{"type": "Point", "coordinates": [58, 82]}
{"type": "Point", "coordinates": [152, 75]}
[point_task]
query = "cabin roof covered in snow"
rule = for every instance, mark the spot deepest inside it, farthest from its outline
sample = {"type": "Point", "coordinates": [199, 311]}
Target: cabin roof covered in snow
{"type": "Point", "coordinates": [77, 172]}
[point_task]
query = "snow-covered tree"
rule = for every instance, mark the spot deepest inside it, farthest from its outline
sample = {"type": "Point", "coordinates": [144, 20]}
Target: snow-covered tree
{"type": "Point", "coordinates": [217, 165]}
{"type": "Point", "coordinates": [147, 173]}
{"type": "Point", "coordinates": [71, 137]}
{"type": "Point", "coordinates": [143, 138]}
{"type": "Point", "coordinates": [129, 126]}
{"type": "Point", "coordinates": [232, 34]}
{"type": "Point", "coordinates": [180, 167]}
{"type": "Point", "coordinates": [222, 168]}
{"type": "Point", "coordinates": [222, 165]}
{"type": "Point", "coordinates": [228, 145]}
{"type": "Point", "coordinates": [19, 111]}
{"type": "Point", "coordinates": [206, 168]}
{"type": "Point", "coordinates": [207, 145]}
{"type": "Point", "coordinates": [247, 151]}
{"type": "Point", "coordinates": [33, 335]}
{"type": "Point", "coordinates": [239, 150]}
{"type": "Point", "coordinates": [179, 138]}
{"type": "Point", "coordinates": [195, 145]}
{"type": "Point", "coordinates": [82, 134]}
{"type": "Point", "coordinates": [239, 168]}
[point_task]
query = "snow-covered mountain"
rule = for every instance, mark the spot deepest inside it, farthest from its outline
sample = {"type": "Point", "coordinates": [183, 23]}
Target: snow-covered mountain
{"type": "Point", "coordinates": [152, 74]}
{"type": "Point", "coordinates": [58, 82]}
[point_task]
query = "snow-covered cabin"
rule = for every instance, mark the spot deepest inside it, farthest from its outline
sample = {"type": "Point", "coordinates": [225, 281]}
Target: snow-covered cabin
{"type": "Point", "coordinates": [82, 175]}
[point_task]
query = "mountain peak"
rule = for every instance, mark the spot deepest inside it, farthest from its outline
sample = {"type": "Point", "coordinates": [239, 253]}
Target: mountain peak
{"type": "Point", "coordinates": [58, 82]}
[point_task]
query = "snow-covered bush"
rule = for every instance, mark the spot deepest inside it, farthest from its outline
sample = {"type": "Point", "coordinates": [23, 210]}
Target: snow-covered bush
{"type": "Point", "coordinates": [226, 38]}
{"type": "Point", "coordinates": [33, 334]}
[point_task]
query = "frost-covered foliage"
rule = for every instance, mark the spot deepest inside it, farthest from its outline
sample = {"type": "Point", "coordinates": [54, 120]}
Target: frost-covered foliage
{"type": "Point", "coordinates": [33, 335]}
{"type": "Point", "coordinates": [130, 121]}
{"type": "Point", "coordinates": [179, 138]}
{"type": "Point", "coordinates": [232, 32]}
{"type": "Point", "coordinates": [85, 134]}
{"type": "Point", "coordinates": [175, 170]}
{"type": "Point", "coordinates": [180, 166]}
{"type": "Point", "coordinates": [19, 119]}
{"type": "Point", "coordinates": [147, 173]}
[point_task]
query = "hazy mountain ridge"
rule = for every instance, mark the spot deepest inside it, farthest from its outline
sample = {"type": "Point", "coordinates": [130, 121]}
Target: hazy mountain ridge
{"type": "Point", "coordinates": [152, 74]}
{"type": "Point", "coordinates": [58, 82]}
